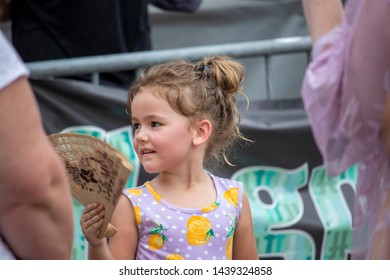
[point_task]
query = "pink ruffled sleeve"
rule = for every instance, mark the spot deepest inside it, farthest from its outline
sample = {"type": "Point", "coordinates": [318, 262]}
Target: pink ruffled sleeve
{"type": "Point", "coordinates": [344, 89]}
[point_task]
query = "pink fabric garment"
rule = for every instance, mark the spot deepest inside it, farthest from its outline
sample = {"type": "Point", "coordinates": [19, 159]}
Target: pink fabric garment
{"type": "Point", "coordinates": [344, 91]}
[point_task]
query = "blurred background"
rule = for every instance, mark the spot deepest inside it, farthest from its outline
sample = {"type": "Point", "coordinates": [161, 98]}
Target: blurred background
{"type": "Point", "coordinates": [232, 21]}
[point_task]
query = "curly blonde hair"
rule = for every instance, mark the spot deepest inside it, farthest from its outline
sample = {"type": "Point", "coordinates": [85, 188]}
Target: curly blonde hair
{"type": "Point", "coordinates": [204, 90]}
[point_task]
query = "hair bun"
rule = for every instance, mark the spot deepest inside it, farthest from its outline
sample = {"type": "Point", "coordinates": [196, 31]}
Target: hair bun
{"type": "Point", "coordinates": [227, 73]}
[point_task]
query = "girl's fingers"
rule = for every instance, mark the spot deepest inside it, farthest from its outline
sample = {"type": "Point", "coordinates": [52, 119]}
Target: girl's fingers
{"type": "Point", "coordinates": [92, 233]}
{"type": "Point", "coordinates": [91, 221]}
{"type": "Point", "coordinates": [92, 216]}
{"type": "Point", "coordinates": [91, 211]}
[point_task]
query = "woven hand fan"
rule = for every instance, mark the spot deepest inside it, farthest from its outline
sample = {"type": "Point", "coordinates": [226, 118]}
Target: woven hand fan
{"type": "Point", "coordinates": [97, 172]}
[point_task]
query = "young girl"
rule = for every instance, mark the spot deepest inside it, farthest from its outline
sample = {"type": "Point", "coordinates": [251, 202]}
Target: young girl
{"type": "Point", "coordinates": [185, 117]}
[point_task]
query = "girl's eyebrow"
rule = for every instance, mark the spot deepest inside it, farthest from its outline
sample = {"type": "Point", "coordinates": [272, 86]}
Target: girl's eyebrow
{"type": "Point", "coordinates": [148, 117]}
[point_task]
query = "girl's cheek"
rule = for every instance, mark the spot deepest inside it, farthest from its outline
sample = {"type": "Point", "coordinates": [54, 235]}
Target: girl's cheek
{"type": "Point", "coordinates": [135, 144]}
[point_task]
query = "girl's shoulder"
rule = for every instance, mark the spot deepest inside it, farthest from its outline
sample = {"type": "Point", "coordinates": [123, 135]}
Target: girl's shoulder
{"type": "Point", "coordinates": [229, 189]}
{"type": "Point", "coordinates": [134, 191]}
{"type": "Point", "coordinates": [144, 192]}
{"type": "Point", "coordinates": [226, 183]}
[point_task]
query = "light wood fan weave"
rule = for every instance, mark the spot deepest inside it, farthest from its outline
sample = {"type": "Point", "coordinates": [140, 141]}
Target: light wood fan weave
{"type": "Point", "coordinates": [97, 172]}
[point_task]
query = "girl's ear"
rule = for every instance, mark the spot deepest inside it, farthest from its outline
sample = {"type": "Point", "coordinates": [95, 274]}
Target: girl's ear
{"type": "Point", "coordinates": [202, 131]}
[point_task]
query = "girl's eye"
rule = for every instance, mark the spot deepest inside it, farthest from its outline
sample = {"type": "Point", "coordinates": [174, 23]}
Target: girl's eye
{"type": "Point", "coordinates": [136, 126]}
{"type": "Point", "coordinates": [155, 124]}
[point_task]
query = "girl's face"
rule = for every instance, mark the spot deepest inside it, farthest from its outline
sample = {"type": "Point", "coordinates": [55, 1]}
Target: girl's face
{"type": "Point", "coordinates": [162, 137]}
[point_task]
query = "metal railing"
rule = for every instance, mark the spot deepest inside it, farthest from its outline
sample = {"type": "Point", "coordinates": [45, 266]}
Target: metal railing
{"type": "Point", "coordinates": [127, 61]}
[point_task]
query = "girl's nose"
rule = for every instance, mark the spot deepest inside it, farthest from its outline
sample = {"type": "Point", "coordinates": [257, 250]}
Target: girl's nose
{"type": "Point", "coordinates": [141, 135]}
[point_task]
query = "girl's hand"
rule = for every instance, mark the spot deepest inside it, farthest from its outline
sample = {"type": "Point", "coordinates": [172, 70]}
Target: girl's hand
{"type": "Point", "coordinates": [91, 220]}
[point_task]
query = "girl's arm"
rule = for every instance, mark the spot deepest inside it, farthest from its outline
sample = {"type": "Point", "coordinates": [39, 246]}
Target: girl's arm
{"type": "Point", "coordinates": [244, 244]}
{"type": "Point", "coordinates": [322, 16]}
{"type": "Point", "coordinates": [123, 245]}
{"type": "Point", "coordinates": [100, 251]}
{"type": "Point", "coordinates": [91, 220]}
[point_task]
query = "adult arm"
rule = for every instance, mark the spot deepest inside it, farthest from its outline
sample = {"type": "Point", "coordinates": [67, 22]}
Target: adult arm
{"type": "Point", "coordinates": [322, 16]}
{"type": "Point", "coordinates": [35, 202]}
{"type": "Point", "coordinates": [244, 244]}
{"type": "Point", "coordinates": [189, 6]}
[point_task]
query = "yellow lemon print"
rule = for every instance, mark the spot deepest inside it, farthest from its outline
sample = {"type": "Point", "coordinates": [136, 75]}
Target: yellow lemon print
{"type": "Point", "coordinates": [229, 248]}
{"type": "Point", "coordinates": [156, 242]}
{"type": "Point", "coordinates": [136, 191]}
{"type": "Point", "coordinates": [174, 257]}
{"type": "Point", "coordinates": [212, 207]}
{"type": "Point", "coordinates": [199, 230]}
{"type": "Point", "coordinates": [137, 213]}
{"type": "Point", "coordinates": [231, 195]}
{"type": "Point", "coordinates": [229, 244]}
{"type": "Point", "coordinates": [157, 239]}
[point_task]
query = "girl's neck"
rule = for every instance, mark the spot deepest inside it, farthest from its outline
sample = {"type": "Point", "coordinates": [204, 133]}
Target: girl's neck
{"type": "Point", "coordinates": [181, 181]}
{"type": "Point", "coordinates": [191, 191]}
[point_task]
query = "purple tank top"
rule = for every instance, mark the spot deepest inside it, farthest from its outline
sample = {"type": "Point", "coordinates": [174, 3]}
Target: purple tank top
{"type": "Point", "coordinates": [166, 231]}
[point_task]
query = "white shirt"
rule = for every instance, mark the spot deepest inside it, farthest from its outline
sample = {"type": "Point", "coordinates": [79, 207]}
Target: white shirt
{"type": "Point", "coordinates": [11, 65]}
{"type": "Point", "coordinates": [5, 252]}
